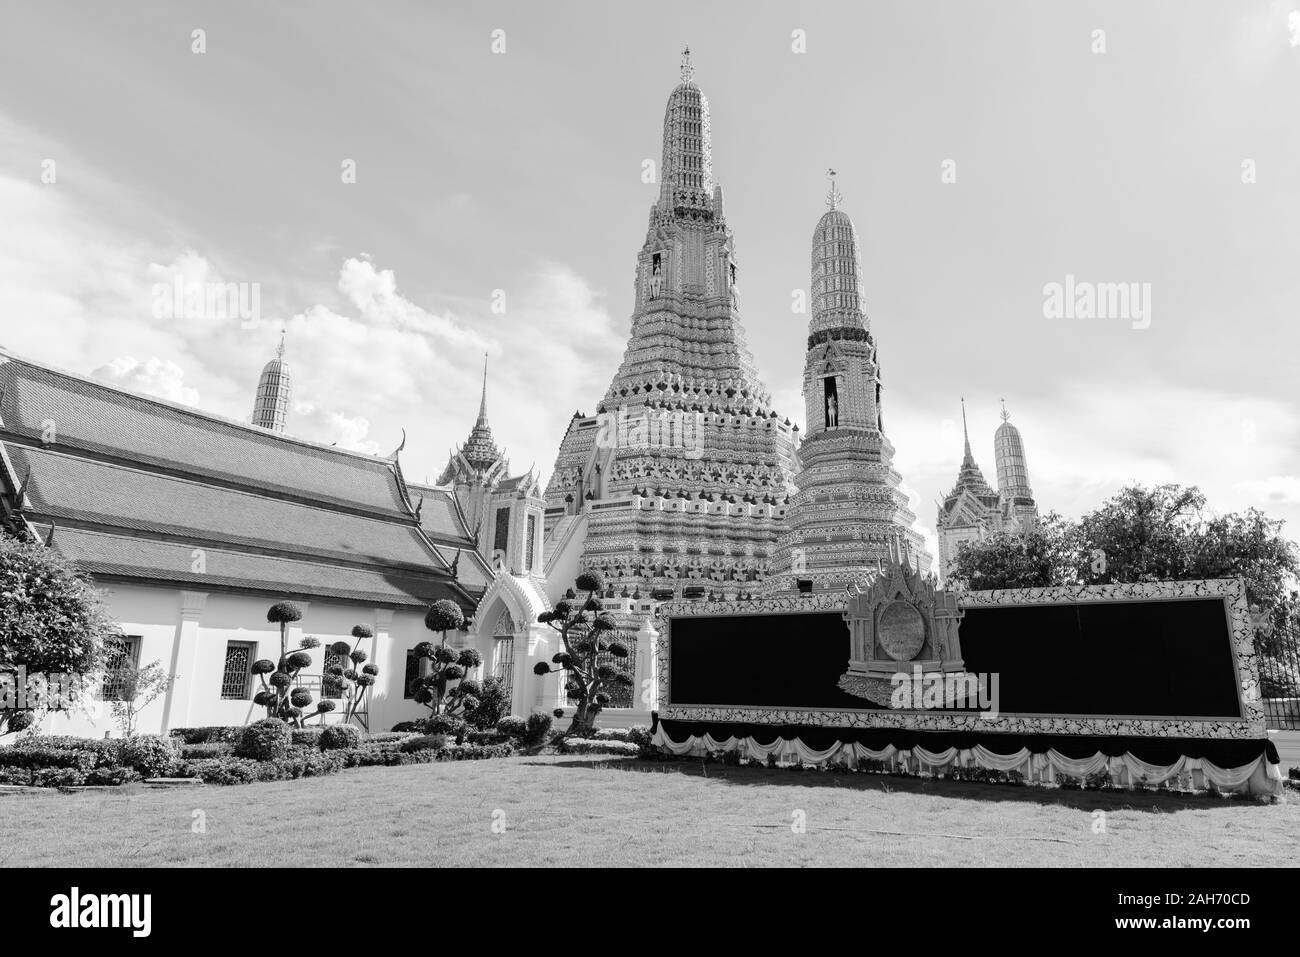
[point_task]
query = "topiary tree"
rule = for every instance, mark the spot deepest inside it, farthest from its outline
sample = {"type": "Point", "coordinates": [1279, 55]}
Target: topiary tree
{"type": "Point", "coordinates": [356, 683]}
{"type": "Point", "coordinates": [52, 621]}
{"type": "Point", "coordinates": [589, 638]}
{"type": "Point", "coordinates": [280, 693]}
{"type": "Point", "coordinates": [434, 689]}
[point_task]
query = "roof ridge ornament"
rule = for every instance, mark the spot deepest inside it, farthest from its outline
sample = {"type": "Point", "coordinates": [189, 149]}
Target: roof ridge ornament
{"type": "Point", "coordinates": [833, 197]}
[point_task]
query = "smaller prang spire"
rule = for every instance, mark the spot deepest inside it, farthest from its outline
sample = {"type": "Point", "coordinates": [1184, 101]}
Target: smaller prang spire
{"type": "Point", "coordinates": [965, 434]}
{"type": "Point", "coordinates": [482, 405]}
{"type": "Point", "coordinates": [274, 389]}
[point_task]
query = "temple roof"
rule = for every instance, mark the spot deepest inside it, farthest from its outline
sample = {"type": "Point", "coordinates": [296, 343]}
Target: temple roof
{"type": "Point", "coordinates": [135, 485]}
{"type": "Point", "coordinates": [969, 477]}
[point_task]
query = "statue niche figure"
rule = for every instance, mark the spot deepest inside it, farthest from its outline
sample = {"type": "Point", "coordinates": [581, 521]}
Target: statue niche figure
{"type": "Point", "coordinates": [832, 403]}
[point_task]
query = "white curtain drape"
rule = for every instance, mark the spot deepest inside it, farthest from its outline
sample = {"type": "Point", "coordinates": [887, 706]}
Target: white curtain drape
{"type": "Point", "coordinates": [1256, 777]}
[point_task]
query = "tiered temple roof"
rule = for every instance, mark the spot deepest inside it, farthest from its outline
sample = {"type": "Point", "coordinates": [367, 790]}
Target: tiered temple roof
{"type": "Point", "coordinates": [141, 490]}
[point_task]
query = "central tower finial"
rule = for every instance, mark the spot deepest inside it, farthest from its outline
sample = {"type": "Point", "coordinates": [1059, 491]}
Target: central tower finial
{"type": "Point", "coordinates": [688, 71]}
{"type": "Point", "coordinates": [1005, 414]}
{"type": "Point", "coordinates": [834, 196]}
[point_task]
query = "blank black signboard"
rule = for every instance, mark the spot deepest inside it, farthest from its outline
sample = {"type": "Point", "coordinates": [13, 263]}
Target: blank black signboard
{"type": "Point", "coordinates": [1137, 658]}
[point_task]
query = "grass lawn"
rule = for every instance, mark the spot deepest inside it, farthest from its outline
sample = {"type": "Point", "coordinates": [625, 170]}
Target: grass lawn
{"type": "Point", "coordinates": [623, 812]}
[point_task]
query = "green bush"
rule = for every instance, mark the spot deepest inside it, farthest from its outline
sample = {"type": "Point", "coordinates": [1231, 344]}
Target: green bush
{"type": "Point", "coordinates": [209, 735]}
{"type": "Point", "coordinates": [305, 737]}
{"type": "Point", "coordinates": [265, 740]}
{"type": "Point", "coordinates": [152, 755]}
{"type": "Point", "coordinates": [46, 758]}
{"type": "Point", "coordinates": [21, 776]}
{"type": "Point", "coordinates": [386, 737]}
{"type": "Point", "coordinates": [58, 777]}
{"type": "Point", "coordinates": [513, 726]}
{"type": "Point", "coordinates": [337, 737]}
{"type": "Point", "coordinates": [112, 776]}
{"type": "Point", "coordinates": [211, 749]}
{"type": "Point", "coordinates": [425, 742]}
{"type": "Point", "coordinates": [447, 724]}
{"type": "Point", "coordinates": [107, 752]}
{"type": "Point", "coordinates": [227, 770]}
{"type": "Point", "coordinates": [536, 728]}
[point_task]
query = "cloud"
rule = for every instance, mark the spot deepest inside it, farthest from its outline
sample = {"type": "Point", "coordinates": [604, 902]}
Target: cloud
{"type": "Point", "coordinates": [1274, 490]}
{"type": "Point", "coordinates": [154, 376]}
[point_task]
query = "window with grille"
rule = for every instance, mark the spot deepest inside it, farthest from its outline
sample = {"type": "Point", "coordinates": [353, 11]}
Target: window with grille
{"type": "Point", "coordinates": [532, 542]}
{"type": "Point", "coordinates": [123, 657]}
{"type": "Point", "coordinates": [501, 535]}
{"type": "Point", "coordinates": [620, 695]}
{"type": "Point", "coordinates": [505, 665]}
{"type": "Point", "coordinates": [331, 686]}
{"type": "Point", "coordinates": [412, 672]}
{"type": "Point", "coordinates": [236, 677]}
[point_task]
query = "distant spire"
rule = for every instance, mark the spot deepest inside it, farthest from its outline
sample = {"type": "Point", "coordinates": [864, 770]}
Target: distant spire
{"type": "Point", "coordinates": [274, 389]}
{"type": "Point", "coordinates": [834, 197]}
{"type": "Point", "coordinates": [688, 71]}
{"type": "Point", "coordinates": [482, 405]}
{"type": "Point", "coordinates": [1005, 414]}
{"type": "Point", "coordinates": [964, 432]}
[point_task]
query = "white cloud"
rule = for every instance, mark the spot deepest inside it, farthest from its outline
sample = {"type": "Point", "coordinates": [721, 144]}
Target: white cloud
{"type": "Point", "coordinates": [154, 376]}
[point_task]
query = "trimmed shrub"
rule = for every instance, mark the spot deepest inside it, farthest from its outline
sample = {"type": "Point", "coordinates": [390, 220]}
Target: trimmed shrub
{"type": "Point", "coordinates": [58, 777]}
{"type": "Point", "coordinates": [213, 749]}
{"type": "Point", "coordinates": [385, 737]}
{"type": "Point", "coordinates": [305, 737]}
{"type": "Point", "coordinates": [265, 740]}
{"type": "Point", "coordinates": [112, 776]}
{"type": "Point", "coordinates": [486, 737]}
{"type": "Point", "coordinates": [228, 770]}
{"type": "Point", "coordinates": [536, 728]}
{"type": "Point", "coordinates": [209, 735]}
{"type": "Point", "coordinates": [425, 742]}
{"type": "Point", "coordinates": [338, 737]}
{"type": "Point", "coordinates": [513, 726]}
{"type": "Point", "coordinates": [106, 751]}
{"type": "Point", "coordinates": [595, 746]}
{"type": "Point", "coordinates": [446, 724]}
{"type": "Point", "coordinates": [21, 776]}
{"type": "Point", "coordinates": [408, 727]}
{"type": "Point", "coordinates": [152, 755]}
{"type": "Point", "coordinates": [46, 758]}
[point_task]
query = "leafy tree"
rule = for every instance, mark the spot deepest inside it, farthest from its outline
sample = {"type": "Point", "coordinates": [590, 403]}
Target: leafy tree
{"type": "Point", "coordinates": [434, 689]}
{"type": "Point", "coordinates": [1043, 556]}
{"type": "Point", "coordinates": [52, 621]}
{"type": "Point", "coordinates": [1164, 533]}
{"type": "Point", "coordinates": [587, 636]}
{"type": "Point", "coordinates": [137, 688]}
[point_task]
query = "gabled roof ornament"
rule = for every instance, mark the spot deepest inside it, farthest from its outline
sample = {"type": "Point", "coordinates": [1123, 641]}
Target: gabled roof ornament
{"type": "Point", "coordinates": [419, 505]}
{"type": "Point", "coordinates": [49, 539]}
{"type": "Point", "coordinates": [401, 446]}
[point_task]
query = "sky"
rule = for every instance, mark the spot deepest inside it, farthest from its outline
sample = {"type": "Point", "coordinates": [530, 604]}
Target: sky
{"type": "Point", "coordinates": [985, 150]}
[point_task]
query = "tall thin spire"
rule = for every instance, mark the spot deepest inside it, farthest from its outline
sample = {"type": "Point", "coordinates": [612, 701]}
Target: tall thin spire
{"type": "Point", "coordinates": [482, 405]}
{"type": "Point", "coordinates": [688, 71]}
{"type": "Point", "coordinates": [964, 432]}
{"type": "Point", "coordinates": [834, 197]}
